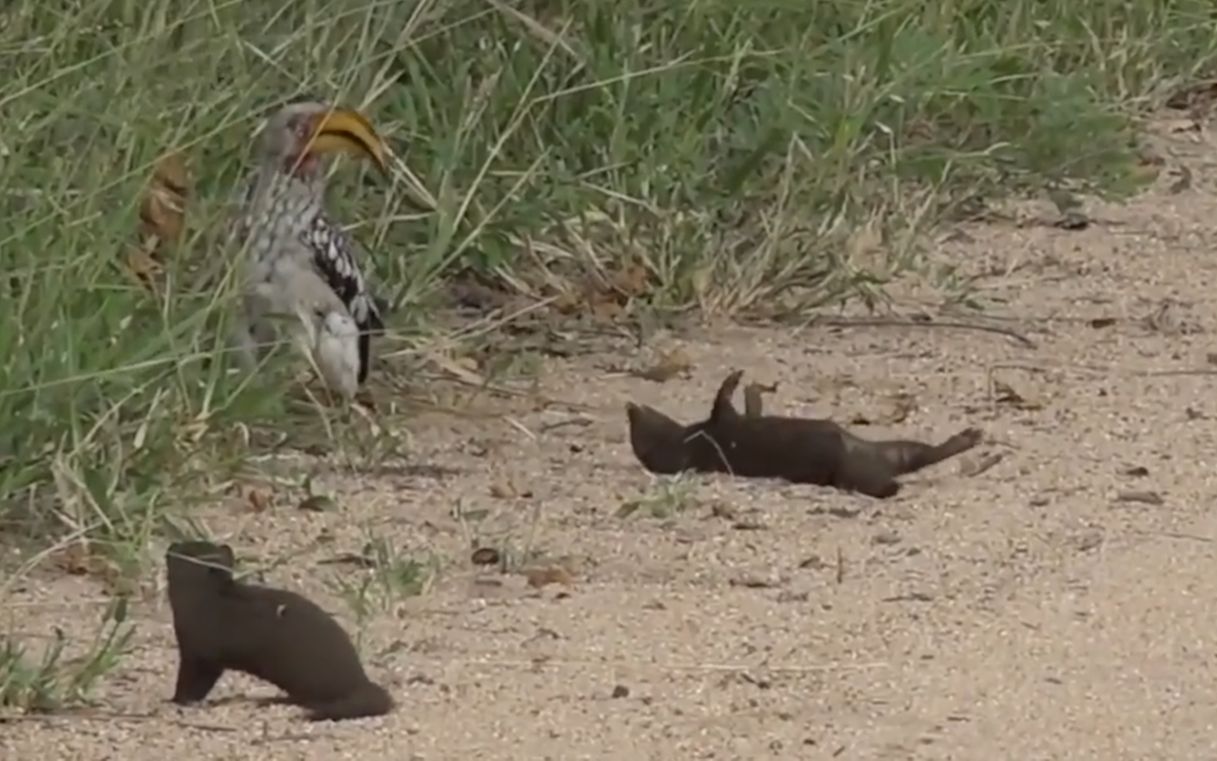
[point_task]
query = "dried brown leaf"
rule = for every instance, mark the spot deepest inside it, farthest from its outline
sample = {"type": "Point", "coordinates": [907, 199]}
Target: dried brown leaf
{"type": "Point", "coordinates": [472, 294]}
{"type": "Point", "coordinates": [486, 556]}
{"type": "Point", "coordinates": [78, 559]}
{"type": "Point", "coordinates": [317, 503]}
{"type": "Point", "coordinates": [1182, 182]}
{"type": "Point", "coordinates": [144, 266]}
{"type": "Point", "coordinates": [163, 210]}
{"type": "Point", "coordinates": [567, 302]}
{"type": "Point", "coordinates": [540, 577]}
{"type": "Point", "coordinates": [886, 536]}
{"type": "Point", "coordinates": [364, 397]}
{"type": "Point", "coordinates": [632, 280]}
{"type": "Point", "coordinates": [1089, 540]}
{"type": "Point", "coordinates": [1005, 394]}
{"type": "Point", "coordinates": [895, 410]}
{"type": "Point", "coordinates": [628, 508]}
{"type": "Point", "coordinates": [503, 490]}
{"type": "Point", "coordinates": [670, 365]}
{"type": "Point", "coordinates": [748, 524]}
{"type": "Point", "coordinates": [1144, 497]}
{"type": "Point", "coordinates": [260, 499]}
{"type": "Point", "coordinates": [752, 580]}
{"type": "Point", "coordinates": [162, 218]}
{"type": "Point", "coordinates": [463, 367]}
{"type": "Point", "coordinates": [604, 308]}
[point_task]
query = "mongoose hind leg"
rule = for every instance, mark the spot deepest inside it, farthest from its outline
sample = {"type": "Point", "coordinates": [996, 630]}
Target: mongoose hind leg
{"type": "Point", "coordinates": [754, 404]}
{"type": "Point", "coordinates": [909, 456]}
{"type": "Point", "coordinates": [723, 410]}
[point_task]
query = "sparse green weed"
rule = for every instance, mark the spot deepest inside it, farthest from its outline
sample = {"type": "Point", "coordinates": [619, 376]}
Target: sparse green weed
{"type": "Point", "coordinates": [386, 577]}
{"type": "Point", "coordinates": [668, 497]}
{"type": "Point", "coordinates": [51, 682]}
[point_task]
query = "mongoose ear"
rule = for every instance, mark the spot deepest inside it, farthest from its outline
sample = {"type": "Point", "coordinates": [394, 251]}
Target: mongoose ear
{"type": "Point", "coordinates": [218, 562]}
{"type": "Point", "coordinates": [224, 556]}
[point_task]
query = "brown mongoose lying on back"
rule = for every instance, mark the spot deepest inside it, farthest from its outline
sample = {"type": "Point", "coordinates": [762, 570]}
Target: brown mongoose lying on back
{"type": "Point", "coordinates": [273, 634]}
{"type": "Point", "coordinates": [801, 450]}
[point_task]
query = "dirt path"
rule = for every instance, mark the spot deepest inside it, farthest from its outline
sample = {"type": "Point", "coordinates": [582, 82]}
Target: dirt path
{"type": "Point", "coordinates": [1026, 612]}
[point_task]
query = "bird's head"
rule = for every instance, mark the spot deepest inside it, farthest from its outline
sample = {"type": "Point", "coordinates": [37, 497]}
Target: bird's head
{"type": "Point", "coordinates": [299, 134]}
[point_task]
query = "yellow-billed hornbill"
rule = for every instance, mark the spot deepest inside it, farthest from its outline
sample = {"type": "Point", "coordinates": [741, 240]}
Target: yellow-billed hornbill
{"type": "Point", "coordinates": [295, 253]}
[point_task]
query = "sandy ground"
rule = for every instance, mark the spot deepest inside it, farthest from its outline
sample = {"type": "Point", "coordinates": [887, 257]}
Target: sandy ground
{"type": "Point", "coordinates": [1046, 608]}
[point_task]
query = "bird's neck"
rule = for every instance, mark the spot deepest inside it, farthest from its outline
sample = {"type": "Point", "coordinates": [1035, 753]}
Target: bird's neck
{"type": "Point", "coordinates": [279, 181]}
{"type": "Point", "coordinates": [287, 196]}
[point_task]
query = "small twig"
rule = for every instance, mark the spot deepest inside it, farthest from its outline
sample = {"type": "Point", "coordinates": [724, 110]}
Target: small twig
{"type": "Point", "coordinates": [893, 322]}
{"type": "Point", "coordinates": [981, 465]}
{"type": "Point", "coordinates": [1167, 373]}
{"type": "Point", "coordinates": [577, 421]}
{"type": "Point", "coordinates": [505, 391]}
{"type": "Point", "coordinates": [287, 737]}
{"type": "Point", "coordinates": [113, 716]}
{"type": "Point", "coordinates": [57, 603]}
{"type": "Point", "coordinates": [721, 455]}
{"type": "Point", "coordinates": [1180, 535]}
{"type": "Point", "coordinates": [1104, 370]}
{"type": "Point", "coordinates": [693, 667]}
{"type": "Point", "coordinates": [204, 727]}
{"type": "Point", "coordinates": [485, 326]}
{"type": "Point", "coordinates": [519, 427]}
{"type": "Point", "coordinates": [534, 523]}
{"type": "Point", "coordinates": [52, 718]}
{"type": "Point", "coordinates": [458, 512]}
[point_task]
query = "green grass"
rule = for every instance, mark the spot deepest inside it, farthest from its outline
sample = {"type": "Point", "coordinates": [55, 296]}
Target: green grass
{"type": "Point", "coordinates": [54, 681]}
{"type": "Point", "coordinates": [731, 148]}
{"type": "Point", "coordinates": [666, 498]}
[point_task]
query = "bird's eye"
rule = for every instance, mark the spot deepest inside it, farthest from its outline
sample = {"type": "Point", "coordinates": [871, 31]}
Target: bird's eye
{"type": "Point", "coordinates": [298, 125]}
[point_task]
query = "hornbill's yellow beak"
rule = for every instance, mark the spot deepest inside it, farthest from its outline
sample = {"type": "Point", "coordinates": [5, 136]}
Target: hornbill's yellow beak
{"type": "Point", "coordinates": [344, 130]}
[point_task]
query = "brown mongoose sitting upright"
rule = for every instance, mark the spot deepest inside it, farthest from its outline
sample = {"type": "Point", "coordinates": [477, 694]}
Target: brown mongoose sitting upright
{"type": "Point", "coordinates": [273, 634]}
{"type": "Point", "coordinates": [801, 450]}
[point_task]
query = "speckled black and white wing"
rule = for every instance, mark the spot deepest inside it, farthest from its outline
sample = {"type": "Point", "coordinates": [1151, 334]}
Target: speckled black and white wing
{"type": "Point", "coordinates": [334, 257]}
